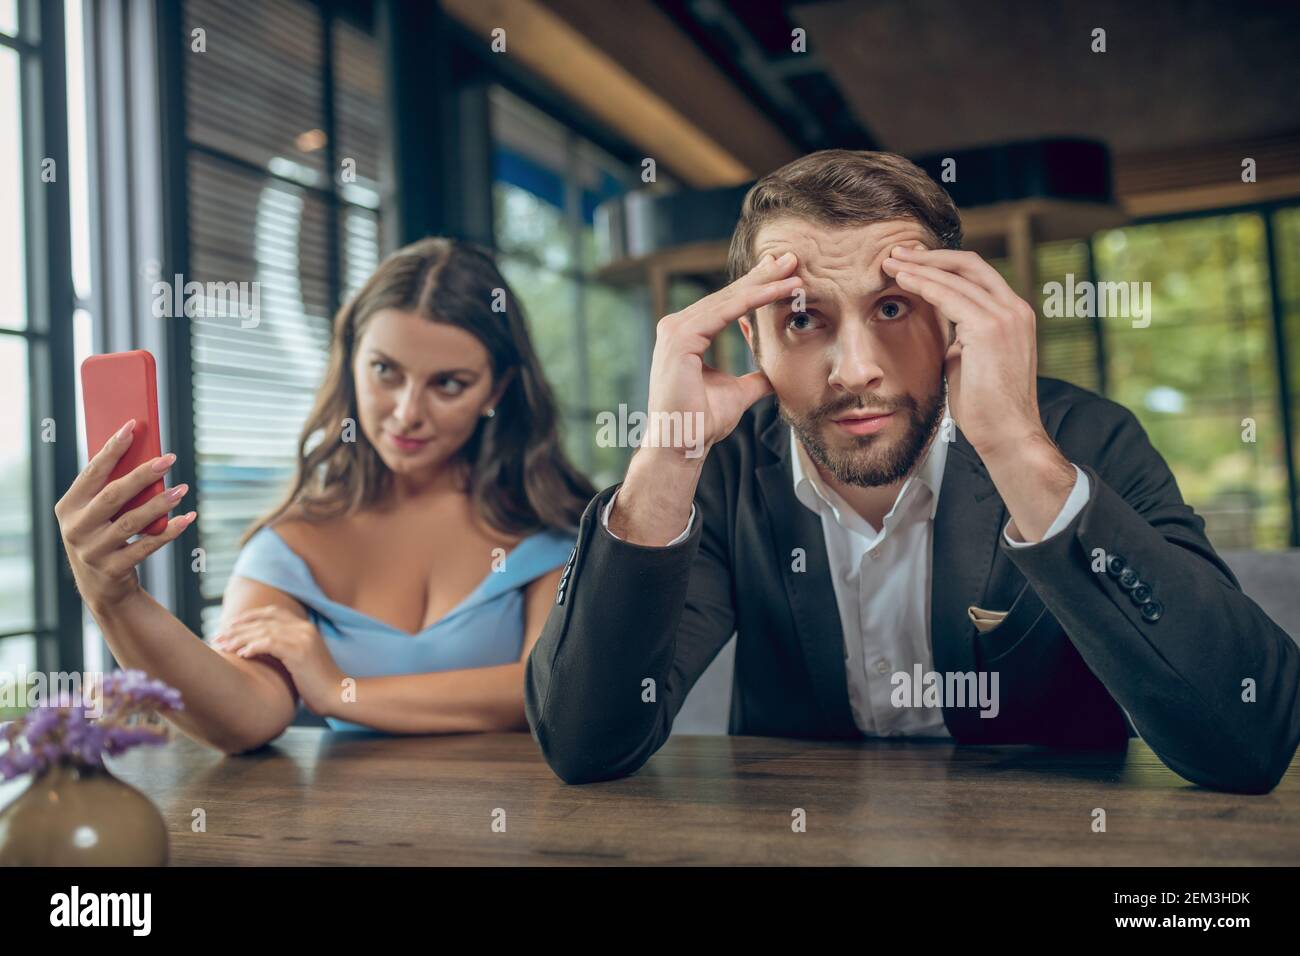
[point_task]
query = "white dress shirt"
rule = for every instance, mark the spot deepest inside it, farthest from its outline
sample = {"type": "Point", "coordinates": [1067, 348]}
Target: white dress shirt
{"type": "Point", "coordinates": [881, 579]}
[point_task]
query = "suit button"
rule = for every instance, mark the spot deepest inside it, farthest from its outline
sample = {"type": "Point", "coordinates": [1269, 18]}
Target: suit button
{"type": "Point", "coordinates": [1152, 610]}
{"type": "Point", "coordinates": [1128, 579]}
{"type": "Point", "coordinates": [1140, 594]}
{"type": "Point", "coordinates": [1115, 565]}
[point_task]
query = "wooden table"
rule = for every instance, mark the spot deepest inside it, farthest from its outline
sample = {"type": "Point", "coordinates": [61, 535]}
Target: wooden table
{"type": "Point", "coordinates": [316, 797]}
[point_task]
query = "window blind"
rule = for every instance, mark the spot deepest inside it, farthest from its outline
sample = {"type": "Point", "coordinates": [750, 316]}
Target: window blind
{"type": "Point", "coordinates": [260, 195]}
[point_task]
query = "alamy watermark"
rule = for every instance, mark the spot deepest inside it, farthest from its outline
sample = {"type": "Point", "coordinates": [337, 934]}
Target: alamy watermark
{"type": "Point", "coordinates": [212, 300]}
{"type": "Point", "coordinates": [1086, 300]}
{"type": "Point", "coordinates": [949, 689]}
{"type": "Point", "coordinates": [639, 429]}
{"type": "Point", "coordinates": [26, 691]}
{"type": "Point", "coordinates": [132, 910]}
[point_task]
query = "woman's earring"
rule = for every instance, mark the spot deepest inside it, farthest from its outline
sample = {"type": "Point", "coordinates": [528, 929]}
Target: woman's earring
{"type": "Point", "coordinates": [490, 413]}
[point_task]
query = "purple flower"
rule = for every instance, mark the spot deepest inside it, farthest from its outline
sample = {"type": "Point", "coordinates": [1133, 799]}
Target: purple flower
{"type": "Point", "coordinates": [131, 703]}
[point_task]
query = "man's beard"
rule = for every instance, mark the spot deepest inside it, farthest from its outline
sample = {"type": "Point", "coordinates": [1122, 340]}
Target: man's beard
{"type": "Point", "coordinates": [869, 463]}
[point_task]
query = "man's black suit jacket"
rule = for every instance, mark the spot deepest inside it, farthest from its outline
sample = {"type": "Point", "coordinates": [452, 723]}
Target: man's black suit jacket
{"type": "Point", "coordinates": [1075, 644]}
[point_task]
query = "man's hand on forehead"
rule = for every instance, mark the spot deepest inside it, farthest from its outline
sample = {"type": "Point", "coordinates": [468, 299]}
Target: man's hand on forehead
{"type": "Point", "coordinates": [992, 365]}
{"type": "Point", "coordinates": [915, 245]}
{"type": "Point", "coordinates": [908, 244]}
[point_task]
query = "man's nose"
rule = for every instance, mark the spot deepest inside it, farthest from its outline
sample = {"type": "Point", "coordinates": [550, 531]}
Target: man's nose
{"type": "Point", "coordinates": [856, 366]}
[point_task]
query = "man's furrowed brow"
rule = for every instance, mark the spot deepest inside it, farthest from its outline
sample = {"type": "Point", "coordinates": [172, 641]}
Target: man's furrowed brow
{"type": "Point", "coordinates": [809, 298]}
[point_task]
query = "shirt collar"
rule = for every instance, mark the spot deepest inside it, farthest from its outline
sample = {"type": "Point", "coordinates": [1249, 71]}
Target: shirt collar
{"type": "Point", "coordinates": [808, 481]}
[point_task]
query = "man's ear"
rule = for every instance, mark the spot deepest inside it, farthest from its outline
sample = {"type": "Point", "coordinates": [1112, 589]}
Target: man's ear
{"type": "Point", "coordinates": [747, 330]}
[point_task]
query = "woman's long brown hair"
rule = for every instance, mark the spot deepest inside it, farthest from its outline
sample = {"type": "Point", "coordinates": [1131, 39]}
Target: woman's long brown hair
{"type": "Point", "coordinates": [518, 476]}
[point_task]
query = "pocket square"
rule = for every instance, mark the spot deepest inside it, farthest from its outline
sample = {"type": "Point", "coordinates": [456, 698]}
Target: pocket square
{"type": "Point", "coordinates": [985, 620]}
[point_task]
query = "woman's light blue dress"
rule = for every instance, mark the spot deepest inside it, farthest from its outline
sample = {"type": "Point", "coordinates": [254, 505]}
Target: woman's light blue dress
{"type": "Point", "coordinates": [484, 629]}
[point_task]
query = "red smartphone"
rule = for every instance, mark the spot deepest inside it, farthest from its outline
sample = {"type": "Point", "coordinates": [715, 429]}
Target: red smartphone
{"type": "Point", "coordinates": [115, 388]}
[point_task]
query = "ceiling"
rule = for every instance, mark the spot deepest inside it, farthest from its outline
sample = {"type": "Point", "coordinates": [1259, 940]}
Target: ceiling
{"type": "Point", "coordinates": [924, 76]}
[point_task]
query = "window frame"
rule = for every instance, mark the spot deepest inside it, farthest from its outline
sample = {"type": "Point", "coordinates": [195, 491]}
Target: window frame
{"type": "Point", "coordinates": [46, 230]}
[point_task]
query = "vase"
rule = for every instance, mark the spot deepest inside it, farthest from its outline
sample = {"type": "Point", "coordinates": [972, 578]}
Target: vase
{"type": "Point", "coordinates": [79, 814]}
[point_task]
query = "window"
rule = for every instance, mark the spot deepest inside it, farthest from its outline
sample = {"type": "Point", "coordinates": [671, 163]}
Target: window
{"type": "Point", "coordinates": [1202, 376]}
{"type": "Point", "coordinates": [1069, 347]}
{"type": "Point", "coordinates": [592, 339]}
{"type": "Point", "coordinates": [1286, 238]}
{"type": "Point", "coordinates": [17, 559]}
{"type": "Point", "coordinates": [283, 194]}
{"type": "Point", "coordinates": [37, 421]}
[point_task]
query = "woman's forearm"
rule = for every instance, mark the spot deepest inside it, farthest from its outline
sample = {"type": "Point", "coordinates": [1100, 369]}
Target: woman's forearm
{"type": "Point", "coordinates": [479, 699]}
{"type": "Point", "coordinates": [228, 705]}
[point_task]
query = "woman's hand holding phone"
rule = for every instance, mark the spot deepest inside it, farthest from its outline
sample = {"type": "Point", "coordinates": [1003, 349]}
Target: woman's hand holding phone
{"type": "Point", "coordinates": [99, 548]}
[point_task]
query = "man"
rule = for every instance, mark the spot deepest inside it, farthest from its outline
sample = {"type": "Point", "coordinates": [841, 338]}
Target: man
{"type": "Point", "coordinates": [1030, 575]}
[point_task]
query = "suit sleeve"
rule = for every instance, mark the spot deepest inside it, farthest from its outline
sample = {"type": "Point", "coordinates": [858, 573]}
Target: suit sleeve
{"type": "Point", "coordinates": [1208, 680]}
{"type": "Point", "coordinates": [631, 632]}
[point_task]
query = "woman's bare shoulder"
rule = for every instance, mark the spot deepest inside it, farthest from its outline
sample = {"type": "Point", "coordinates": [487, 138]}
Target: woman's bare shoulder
{"type": "Point", "coordinates": [305, 533]}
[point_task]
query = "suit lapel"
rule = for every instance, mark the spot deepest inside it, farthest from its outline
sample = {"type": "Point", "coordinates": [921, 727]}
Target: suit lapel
{"type": "Point", "coordinates": [966, 529]}
{"type": "Point", "coordinates": [811, 593]}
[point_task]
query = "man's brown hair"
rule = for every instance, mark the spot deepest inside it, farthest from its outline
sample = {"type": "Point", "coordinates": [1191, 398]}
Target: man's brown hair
{"type": "Point", "coordinates": [844, 187]}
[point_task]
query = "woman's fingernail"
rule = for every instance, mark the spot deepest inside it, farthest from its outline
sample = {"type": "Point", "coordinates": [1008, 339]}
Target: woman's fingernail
{"type": "Point", "coordinates": [165, 462]}
{"type": "Point", "coordinates": [177, 493]}
{"type": "Point", "coordinates": [125, 430]}
{"type": "Point", "coordinates": [787, 257]}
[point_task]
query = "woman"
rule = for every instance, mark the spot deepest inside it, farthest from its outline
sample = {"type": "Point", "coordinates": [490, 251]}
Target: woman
{"type": "Point", "coordinates": [405, 577]}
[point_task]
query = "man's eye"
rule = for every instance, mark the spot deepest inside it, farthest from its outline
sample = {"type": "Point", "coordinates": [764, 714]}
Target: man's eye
{"type": "Point", "coordinates": [800, 322]}
{"type": "Point", "coordinates": [892, 310]}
